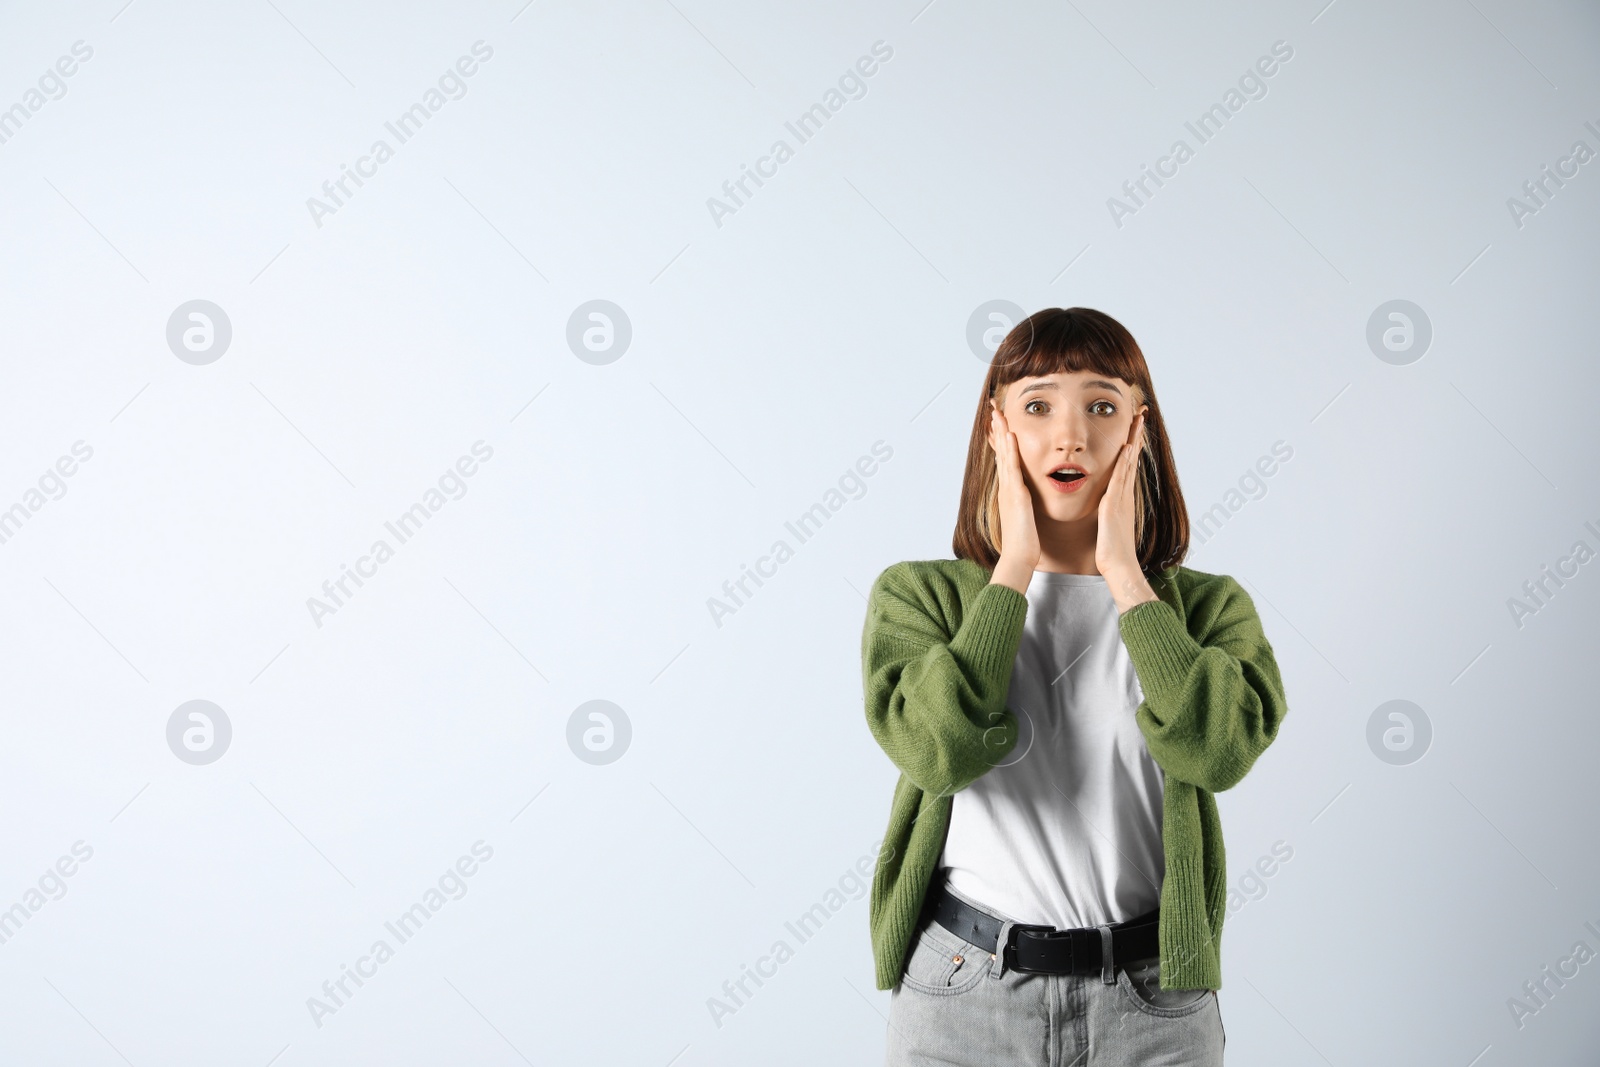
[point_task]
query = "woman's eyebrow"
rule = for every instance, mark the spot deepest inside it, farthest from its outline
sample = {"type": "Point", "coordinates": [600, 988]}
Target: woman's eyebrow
{"type": "Point", "coordinates": [1101, 383]}
{"type": "Point", "coordinates": [1092, 383]}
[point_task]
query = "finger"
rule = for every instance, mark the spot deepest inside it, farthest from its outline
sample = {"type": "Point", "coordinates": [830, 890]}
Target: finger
{"type": "Point", "coordinates": [1113, 487]}
{"type": "Point", "coordinates": [1003, 454]}
{"type": "Point", "coordinates": [1119, 477]}
{"type": "Point", "coordinates": [1121, 474]}
{"type": "Point", "coordinates": [1007, 439]}
{"type": "Point", "coordinates": [1014, 457]}
{"type": "Point", "coordinates": [1117, 464]}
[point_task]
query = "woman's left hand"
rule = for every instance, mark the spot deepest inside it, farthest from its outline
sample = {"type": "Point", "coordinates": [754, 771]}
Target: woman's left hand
{"type": "Point", "coordinates": [1116, 555]}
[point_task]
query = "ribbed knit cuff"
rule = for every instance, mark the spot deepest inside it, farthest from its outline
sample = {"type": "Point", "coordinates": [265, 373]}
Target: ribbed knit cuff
{"type": "Point", "coordinates": [898, 894]}
{"type": "Point", "coordinates": [1161, 649]}
{"type": "Point", "coordinates": [991, 631]}
{"type": "Point", "coordinates": [1189, 943]}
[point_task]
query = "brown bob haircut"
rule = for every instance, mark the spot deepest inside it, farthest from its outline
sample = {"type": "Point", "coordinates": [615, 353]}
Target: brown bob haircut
{"type": "Point", "coordinates": [1067, 340]}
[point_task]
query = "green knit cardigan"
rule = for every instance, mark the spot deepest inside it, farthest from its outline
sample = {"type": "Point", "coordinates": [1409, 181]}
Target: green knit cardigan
{"type": "Point", "coordinates": [937, 652]}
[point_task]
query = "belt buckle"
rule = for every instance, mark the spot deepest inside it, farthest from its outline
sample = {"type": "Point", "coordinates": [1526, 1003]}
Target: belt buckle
{"type": "Point", "coordinates": [1009, 952]}
{"type": "Point", "coordinates": [1076, 943]}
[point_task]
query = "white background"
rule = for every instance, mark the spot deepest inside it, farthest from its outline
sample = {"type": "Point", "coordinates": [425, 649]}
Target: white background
{"type": "Point", "coordinates": [769, 353]}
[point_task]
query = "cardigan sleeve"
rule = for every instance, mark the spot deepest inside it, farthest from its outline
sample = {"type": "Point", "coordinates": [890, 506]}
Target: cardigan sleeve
{"type": "Point", "coordinates": [935, 701]}
{"type": "Point", "coordinates": [1211, 706]}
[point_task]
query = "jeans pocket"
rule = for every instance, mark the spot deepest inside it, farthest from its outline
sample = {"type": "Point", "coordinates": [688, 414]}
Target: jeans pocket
{"type": "Point", "coordinates": [1140, 982]}
{"type": "Point", "coordinates": [941, 964]}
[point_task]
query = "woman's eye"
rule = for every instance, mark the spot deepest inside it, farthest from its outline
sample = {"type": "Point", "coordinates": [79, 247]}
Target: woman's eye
{"type": "Point", "coordinates": [1029, 407]}
{"type": "Point", "coordinates": [1108, 406]}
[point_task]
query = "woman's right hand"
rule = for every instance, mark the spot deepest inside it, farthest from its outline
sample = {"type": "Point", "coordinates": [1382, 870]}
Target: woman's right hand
{"type": "Point", "coordinates": [1019, 536]}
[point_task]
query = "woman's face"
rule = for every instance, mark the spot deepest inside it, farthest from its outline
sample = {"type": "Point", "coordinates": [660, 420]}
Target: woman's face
{"type": "Point", "coordinates": [1076, 419]}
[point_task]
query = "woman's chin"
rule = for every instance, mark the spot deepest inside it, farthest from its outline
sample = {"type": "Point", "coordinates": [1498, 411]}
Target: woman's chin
{"type": "Point", "coordinates": [1071, 510]}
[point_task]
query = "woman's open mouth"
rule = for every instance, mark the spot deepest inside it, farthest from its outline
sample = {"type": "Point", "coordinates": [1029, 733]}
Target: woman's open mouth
{"type": "Point", "coordinates": [1069, 478]}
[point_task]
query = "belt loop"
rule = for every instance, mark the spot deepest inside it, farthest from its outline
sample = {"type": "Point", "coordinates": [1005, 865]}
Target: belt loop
{"type": "Point", "coordinates": [1108, 965]}
{"type": "Point", "coordinates": [997, 968]}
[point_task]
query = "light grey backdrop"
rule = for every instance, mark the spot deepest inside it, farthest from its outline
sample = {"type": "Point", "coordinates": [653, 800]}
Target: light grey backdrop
{"type": "Point", "coordinates": [374, 741]}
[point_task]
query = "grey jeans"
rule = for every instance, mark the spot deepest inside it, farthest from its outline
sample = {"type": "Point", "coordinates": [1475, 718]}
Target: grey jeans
{"type": "Point", "coordinates": [957, 1004]}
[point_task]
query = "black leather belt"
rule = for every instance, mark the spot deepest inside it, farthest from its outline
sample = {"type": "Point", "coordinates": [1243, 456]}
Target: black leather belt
{"type": "Point", "coordinates": [1044, 949]}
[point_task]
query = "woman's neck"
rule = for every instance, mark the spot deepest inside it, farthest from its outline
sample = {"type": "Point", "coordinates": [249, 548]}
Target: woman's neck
{"type": "Point", "coordinates": [1067, 547]}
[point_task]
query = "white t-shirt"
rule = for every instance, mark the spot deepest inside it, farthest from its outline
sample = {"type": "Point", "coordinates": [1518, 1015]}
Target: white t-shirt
{"type": "Point", "coordinates": [1066, 830]}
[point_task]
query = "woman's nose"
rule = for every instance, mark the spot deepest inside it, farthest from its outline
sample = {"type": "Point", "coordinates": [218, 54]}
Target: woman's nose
{"type": "Point", "coordinates": [1071, 436]}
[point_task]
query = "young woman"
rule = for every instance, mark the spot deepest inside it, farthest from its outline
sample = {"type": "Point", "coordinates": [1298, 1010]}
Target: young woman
{"type": "Point", "coordinates": [1063, 699]}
